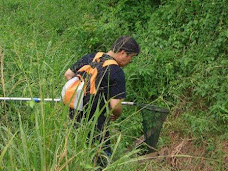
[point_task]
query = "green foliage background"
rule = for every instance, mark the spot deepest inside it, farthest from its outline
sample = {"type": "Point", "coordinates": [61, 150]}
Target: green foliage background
{"type": "Point", "coordinates": [183, 63]}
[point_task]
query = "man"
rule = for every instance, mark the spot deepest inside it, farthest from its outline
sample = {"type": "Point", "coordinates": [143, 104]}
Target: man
{"type": "Point", "coordinates": [111, 80]}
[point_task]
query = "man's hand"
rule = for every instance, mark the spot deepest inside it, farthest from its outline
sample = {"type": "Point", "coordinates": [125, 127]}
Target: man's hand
{"type": "Point", "coordinates": [113, 117]}
{"type": "Point", "coordinates": [116, 107]}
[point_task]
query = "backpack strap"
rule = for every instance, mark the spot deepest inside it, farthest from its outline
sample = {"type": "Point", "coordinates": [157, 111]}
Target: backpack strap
{"type": "Point", "coordinates": [93, 70]}
{"type": "Point", "coordinates": [97, 56]}
{"type": "Point", "coordinates": [109, 62]}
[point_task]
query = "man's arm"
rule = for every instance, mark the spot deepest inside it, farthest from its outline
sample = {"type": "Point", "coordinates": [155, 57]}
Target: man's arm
{"type": "Point", "coordinates": [116, 106]}
{"type": "Point", "coordinates": [69, 74]}
{"type": "Point", "coordinates": [80, 63]}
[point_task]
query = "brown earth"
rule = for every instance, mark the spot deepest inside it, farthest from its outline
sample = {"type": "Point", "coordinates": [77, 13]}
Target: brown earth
{"type": "Point", "coordinates": [183, 154]}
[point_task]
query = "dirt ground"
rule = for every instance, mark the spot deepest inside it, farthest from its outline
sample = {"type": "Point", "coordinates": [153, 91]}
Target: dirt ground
{"type": "Point", "coordinates": [183, 154]}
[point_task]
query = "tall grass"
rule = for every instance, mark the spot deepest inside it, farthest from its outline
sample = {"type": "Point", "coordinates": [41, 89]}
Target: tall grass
{"type": "Point", "coordinates": [183, 64]}
{"type": "Point", "coordinates": [53, 143]}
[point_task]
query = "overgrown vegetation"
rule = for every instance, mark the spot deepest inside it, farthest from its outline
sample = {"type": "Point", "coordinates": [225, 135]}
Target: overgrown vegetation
{"type": "Point", "coordinates": [183, 66]}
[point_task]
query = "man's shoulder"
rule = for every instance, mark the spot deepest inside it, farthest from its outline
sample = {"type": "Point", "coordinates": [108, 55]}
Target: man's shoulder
{"type": "Point", "coordinates": [88, 57]}
{"type": "Point", "coordinates": [116, 72]}
{"type": "Point", "coordinates": [116, 68]}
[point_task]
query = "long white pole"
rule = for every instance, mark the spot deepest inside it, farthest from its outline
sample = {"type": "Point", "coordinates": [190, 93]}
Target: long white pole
{"type": "Point", "coordinates": [28, 99]}
{"type": "Point", "coordinates": [37, 100]}
{"type": "Point", "coordinates": [45, 100]}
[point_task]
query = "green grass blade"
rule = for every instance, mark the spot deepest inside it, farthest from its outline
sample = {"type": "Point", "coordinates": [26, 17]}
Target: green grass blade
{"type": "Point", "coordinates": [24, 145]}
{"type": "Point", "coordinates": [115, 148]}
{"type": "Point", "coordinates": [5, 149]}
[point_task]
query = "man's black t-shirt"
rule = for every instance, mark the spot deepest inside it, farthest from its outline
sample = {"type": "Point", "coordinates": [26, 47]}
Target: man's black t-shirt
{"type": "Point", "coordinates": [112, 84]}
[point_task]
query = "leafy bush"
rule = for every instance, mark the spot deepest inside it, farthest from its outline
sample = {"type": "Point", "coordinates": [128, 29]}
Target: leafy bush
{"type": "Point", "coordinates": [184, 47]}
{"type": "Point", "coordinates": [183, 66]}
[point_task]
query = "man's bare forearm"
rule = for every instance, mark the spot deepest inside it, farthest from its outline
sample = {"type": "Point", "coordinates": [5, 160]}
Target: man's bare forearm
{"type": "Point", "coordinates": [116, 107]}
{"type": "Point", "coordinates": [69, 74]}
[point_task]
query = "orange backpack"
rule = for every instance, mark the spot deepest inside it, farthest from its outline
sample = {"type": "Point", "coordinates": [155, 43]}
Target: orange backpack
{"type": "Point", "coordinates": [75, 89]}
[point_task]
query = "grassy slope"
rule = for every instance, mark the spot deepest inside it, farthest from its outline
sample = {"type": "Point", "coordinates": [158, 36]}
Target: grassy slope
{"type": "Point", "coordinates": [183, 44]}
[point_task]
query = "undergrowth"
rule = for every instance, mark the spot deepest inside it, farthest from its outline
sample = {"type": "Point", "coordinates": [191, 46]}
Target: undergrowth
{"type": "Point", "coordinates": [182, 67]}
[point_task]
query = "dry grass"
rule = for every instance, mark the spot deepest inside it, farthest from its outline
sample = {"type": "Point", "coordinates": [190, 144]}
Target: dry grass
{"type": "Point", "coordinates": [2, 81]}
{"type": "Point", "coordinates": [186, 151]}
{"type": "Point", "coordinates": [185, 155]}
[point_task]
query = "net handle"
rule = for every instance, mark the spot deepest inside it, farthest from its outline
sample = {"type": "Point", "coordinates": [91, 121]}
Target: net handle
{"type": "Point", "coordinates": [148, 107]}
{"type": "Point", "coordinates": [141, 106]}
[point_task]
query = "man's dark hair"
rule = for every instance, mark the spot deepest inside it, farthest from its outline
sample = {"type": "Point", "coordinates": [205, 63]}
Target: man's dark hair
{"type": "Point", "coordinates": [126, 43]}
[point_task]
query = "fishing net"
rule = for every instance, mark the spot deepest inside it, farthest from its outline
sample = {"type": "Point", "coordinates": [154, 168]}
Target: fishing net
{"type": "Point", "coordinates": [152, 121]}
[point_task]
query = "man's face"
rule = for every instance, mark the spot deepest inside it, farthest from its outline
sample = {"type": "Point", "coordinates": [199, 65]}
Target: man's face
{"type": "Point", "coordinates": [125, 58]}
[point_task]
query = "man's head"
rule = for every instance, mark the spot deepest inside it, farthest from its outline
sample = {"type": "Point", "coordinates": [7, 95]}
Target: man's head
{"type": "Point", "coordinates": [124, 49]}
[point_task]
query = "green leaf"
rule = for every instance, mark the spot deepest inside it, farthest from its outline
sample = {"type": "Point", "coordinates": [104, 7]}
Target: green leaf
{"type": "Point", "coordinates": [31, 104]}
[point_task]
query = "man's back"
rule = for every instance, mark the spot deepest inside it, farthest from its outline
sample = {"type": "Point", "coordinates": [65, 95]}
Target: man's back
{"type": "Point", "coordinates": [110, 83]}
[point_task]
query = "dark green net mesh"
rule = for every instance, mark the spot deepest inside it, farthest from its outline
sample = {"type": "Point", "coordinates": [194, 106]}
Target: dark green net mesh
{"type": "Point", "coordinates": [152, 124]}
